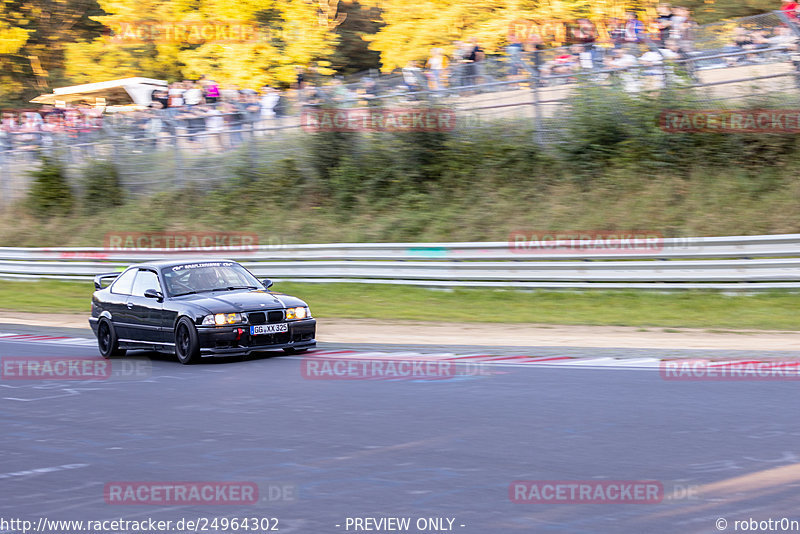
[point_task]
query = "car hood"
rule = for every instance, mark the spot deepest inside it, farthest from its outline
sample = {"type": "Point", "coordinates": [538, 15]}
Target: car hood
{"type": "Point", "coordinates": [240, 301]}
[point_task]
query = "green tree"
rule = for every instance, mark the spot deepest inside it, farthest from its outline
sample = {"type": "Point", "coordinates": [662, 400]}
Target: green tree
{"type": "Point", "coordinates": [50, 194]}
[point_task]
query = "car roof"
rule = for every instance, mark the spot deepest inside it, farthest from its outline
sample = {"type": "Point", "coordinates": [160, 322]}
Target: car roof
{"type": "Point", "coordinates": [173, 263]}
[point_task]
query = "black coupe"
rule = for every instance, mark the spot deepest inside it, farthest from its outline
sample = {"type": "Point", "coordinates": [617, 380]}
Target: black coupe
{"type": "Point", "coordinates": [194, 309]}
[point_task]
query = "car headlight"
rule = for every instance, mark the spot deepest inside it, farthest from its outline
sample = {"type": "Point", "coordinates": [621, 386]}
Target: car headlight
{"type": "Point", "coordinates": [300, 312]}
{"type": "Point", "coordinates": [222, 319]}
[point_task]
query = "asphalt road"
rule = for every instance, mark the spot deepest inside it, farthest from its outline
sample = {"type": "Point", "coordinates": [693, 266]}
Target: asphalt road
{"type": "Point", "coordinates": [323, 451]}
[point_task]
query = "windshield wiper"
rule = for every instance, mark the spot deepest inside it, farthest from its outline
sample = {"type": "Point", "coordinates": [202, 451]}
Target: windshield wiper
{"type": "Point", "coordinates": [231, 288]}
{"type": "Point", "coordinates": [187, 293]}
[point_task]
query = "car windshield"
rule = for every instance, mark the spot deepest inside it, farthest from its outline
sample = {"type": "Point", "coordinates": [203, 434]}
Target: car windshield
{"type": "Point", "coordinates": [212, 276]}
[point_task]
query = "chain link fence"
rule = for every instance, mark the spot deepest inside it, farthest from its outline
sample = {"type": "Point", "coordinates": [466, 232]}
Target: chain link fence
{"type": "Point", "coordinates": [728, 62]}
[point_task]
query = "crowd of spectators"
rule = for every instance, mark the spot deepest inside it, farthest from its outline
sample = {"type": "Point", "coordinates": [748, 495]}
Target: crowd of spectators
{"type": "Point", "coordinates": [22, 129]}
{"type": "Point", "coordinates": [637, 54]}
{"type": "Point", "coordinates": [192, 109]}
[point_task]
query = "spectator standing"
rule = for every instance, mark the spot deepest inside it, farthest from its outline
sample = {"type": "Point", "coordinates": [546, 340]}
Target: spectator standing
{"type": "Point", "coordinates": [534, 46]}
{"type": "Point", "coordinates": [235, 118]}
{"type": "Point", "coordinates": [459, 75]}
{"type": "Point", "coordinates": [585, 34]}
{"type": "Point", "coordinates": [162, 97]}
{"type": "Point", "coordinates": [475, 62]}
{"type": "Point", "coordinates": [514, 50]}
{"type": "Point", "coordinates": [681, 26]}
{"type": "Point", "coordinates": [410, 76]}
{"type": "Point", "coordinates": [436, 65]}
{"type": "Point", "coordinates": [215, 126]}
{"type": "Point", "coordinates": [9, 126]}
{"type": "Point", "coordinates": [616, 32]}
{"type": "Point", "coordinates": [299, 85]}
{"type": "Point", "coordinates": [30, 130]}
{"type": "Point", "coordinates": [300, 78]}
{"type": "Point", "coordinates": [269, 101]}
{"type": "Point", "coordinates": [663, 22]}
{"type": "Point", "coordinates": [175, 92]}
{"type": "Point", "coordinates": [52, 125]}
{"type": "Point", "coordinates": [369, 91]}
{"type": "Point", "coordinates": [634, 29]}
{"type": "Point", "coordinates": [193, 95]}
{"type": "Point", "coordinates": [210, 91]}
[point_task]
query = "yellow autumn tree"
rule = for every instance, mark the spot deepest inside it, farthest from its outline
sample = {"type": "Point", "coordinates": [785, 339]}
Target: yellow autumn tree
{"type": "Point", "coordinates": [413, 27]}
{"type": "Point", "coordinates": [236, 42]}
{"type": "Point", "coordinates": [12, 39]}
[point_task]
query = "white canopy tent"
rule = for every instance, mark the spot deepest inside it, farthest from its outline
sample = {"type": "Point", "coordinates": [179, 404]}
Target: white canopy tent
{"type": "Point", "coordinates": [127, 92]}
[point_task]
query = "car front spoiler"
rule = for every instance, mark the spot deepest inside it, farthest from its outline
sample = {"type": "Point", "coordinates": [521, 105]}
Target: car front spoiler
{"type": "Point", "coordinates": [243, 351]}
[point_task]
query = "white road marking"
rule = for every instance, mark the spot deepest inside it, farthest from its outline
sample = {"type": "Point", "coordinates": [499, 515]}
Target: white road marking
{"type": "Point", "coordinates": [494, 360]}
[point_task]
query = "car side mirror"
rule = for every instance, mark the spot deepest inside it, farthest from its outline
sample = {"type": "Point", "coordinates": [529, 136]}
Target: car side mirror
{"type": "Point", "coordinates": [153, 294]}
{"type": "Point", "coordinates": [267, 283]}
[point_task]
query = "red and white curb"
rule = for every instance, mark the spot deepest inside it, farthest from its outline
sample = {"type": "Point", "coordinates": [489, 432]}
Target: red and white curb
{"type": "Point", "coordinates": [49, 340]}
{"type": "Point", "coordinates": [521, 360]}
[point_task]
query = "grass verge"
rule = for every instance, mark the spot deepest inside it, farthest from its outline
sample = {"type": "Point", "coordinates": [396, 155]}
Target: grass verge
{"type": "Point", "coordinates": [689, 309]}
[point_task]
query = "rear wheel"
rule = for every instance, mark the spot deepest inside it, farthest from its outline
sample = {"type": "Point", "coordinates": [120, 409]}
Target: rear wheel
{"type": "Point", "coordinates": [187, 344]}
{"type": "Point", "coordinates": [107, 340]}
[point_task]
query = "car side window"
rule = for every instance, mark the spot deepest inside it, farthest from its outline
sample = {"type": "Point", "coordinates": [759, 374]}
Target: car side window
{"type": "Point", "coordinates": [145, 280]}
{"type": "Point", "coordinates": [123, 284]}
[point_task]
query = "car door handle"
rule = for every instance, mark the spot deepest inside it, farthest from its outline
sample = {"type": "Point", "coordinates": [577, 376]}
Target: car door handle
{"type": "Point", "coordinates": [130, 305]}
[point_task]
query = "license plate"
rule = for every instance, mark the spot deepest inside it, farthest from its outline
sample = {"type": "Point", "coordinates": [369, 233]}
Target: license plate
{"type": "Point", "coordinates": [261, 329]}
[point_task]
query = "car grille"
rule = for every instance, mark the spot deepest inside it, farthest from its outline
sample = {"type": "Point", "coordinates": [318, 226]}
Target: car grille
{"type": "Point", "coordinates": [268, 317]}
{"type": "Point", "coordinates": [270, 339]}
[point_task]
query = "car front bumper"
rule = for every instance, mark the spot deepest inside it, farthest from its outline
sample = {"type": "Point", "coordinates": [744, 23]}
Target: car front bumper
{"type": "Point", "coordinates": [229, 340]}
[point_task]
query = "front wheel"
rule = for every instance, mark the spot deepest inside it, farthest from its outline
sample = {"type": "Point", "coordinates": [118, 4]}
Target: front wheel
{"type": "Point", "coordinates": [107, 340]}
{"type": "Point", "coordinates": [187, 344]}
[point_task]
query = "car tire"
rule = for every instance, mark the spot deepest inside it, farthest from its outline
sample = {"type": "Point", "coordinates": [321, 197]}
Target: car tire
{"type": "Point", "coordinates": [107, 341]}
{"type": "Point", "coordinates": [187, 343]}
{"type": "Point", "coordinates": [292, 350]}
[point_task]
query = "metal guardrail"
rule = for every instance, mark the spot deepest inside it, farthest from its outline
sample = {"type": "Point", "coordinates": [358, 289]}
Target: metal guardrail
{"type": "Point", "coordinates": [734, 262]}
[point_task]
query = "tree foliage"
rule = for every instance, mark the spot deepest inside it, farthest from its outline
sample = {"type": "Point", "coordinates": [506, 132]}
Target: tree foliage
{"type": "Point", "coordinates": [33, 35]}
{"type": "Point", "coordinates": [285, 33]}
{"type": "Point", "coordinates": [52, 43]}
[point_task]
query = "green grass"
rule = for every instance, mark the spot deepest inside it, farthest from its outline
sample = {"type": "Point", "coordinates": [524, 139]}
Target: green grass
{"type": "Point", "coordinates": [47, 296]}
{"type": "Point", "coordinates": [689, 309]}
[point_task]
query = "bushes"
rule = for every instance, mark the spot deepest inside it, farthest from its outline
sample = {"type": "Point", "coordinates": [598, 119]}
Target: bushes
{"type": "Point", "coordinates": [50, 194]}
{"type": "Point", "coordinates": [101, 186]}
{"type": "Point", "coordinates": [610, 144]}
